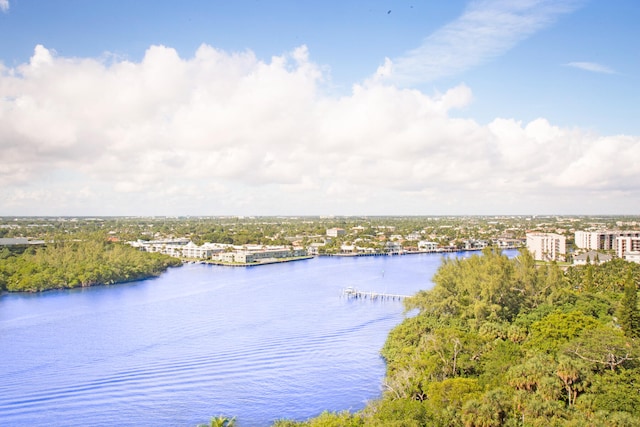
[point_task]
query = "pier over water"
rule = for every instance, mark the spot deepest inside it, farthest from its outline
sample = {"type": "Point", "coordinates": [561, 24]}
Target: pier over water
{"type": "Point", "coordinates": [354, 293]}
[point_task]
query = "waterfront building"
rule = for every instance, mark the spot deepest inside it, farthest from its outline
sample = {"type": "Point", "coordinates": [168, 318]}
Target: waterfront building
{"type": "Point", "coordinates": [393, 248]}
{"type": "Point", "coordinates": [255, 253]}
{"type": "Point", "coordinates": [472, 244]}
{"type": "Point", "coordinates": [509, 243]}
{"type": "Point", "coordinates": [314, 248]}
{"type": "Point", "coordinates": [205, 251]}
{"type": "Point", "coordinates": [424, 245]}
{"type": "Point", "coordinates": [547, 246]}
{"type": "Point", "coordinates": [172, 247]}
{"type": "Point", "coordinates": [348, 249]}
{"type": "Point", "coordinates": [184, 248]}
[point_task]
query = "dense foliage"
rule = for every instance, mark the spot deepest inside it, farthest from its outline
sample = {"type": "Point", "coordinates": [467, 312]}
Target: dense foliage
{"type": "Point", "coordinates": [74, 263]}
{"type": "Point", "coordinates": [503, 342]}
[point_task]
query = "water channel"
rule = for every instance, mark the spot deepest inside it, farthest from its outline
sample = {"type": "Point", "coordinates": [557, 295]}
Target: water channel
{"type": "Point", "coordinates": [259, 343]}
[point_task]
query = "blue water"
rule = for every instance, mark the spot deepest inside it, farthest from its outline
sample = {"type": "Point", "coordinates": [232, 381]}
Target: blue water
{"type": "Point", "coordinates": [260, 344]}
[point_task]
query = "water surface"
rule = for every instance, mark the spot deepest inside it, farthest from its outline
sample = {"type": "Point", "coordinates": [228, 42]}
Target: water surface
{"type": "Point", "coordinates": [260, 343]}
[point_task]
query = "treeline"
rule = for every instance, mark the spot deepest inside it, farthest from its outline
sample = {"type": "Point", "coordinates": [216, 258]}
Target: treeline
{"type": "Point", "coordinates": [501, 342]}
{"type": "Point", "coordinates": [69, 263]}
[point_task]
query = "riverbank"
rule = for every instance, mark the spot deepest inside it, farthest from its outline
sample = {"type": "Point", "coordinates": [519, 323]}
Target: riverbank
{"type": "Point", "coordinates": [437, 251]}
{"type": "Point", "coordinates": [80, 264]}
{"type": "Point", "coordinates": [265, 261]}
{"type": "Point", "coordinates": [204, 337]}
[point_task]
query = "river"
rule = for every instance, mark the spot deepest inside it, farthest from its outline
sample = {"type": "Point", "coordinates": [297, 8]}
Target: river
{"type": "Point", "coordinates": [259, 343]}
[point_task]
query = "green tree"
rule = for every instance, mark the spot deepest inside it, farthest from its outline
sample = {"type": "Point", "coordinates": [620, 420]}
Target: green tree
{"type": "Point", "coordinates": [220, 421]}
{"type": "Point", "coordinates": [603, 348]}
{"type": "Point", "coordinates": [629, 317]}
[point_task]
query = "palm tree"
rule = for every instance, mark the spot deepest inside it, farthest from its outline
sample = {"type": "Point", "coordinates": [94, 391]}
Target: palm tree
{"type": "Point", "coordinates": [220, 421]}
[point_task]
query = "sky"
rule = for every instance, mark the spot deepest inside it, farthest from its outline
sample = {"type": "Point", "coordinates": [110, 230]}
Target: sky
{"type": "Point", "coordinates": [255, 107]}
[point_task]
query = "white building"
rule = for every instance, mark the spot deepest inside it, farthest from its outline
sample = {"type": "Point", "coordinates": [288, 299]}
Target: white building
{"type": "Point", "coordinates": [591, 257]}
{"type": "Point", "coordinates": [314, 248]}
{"type": "Point", "coordinates": [475, 244]}
{"type": "Point", "coordinates": [632, 257]}
{"type": "Point", "coordinates": [180, 248]}
{"type": "Point", "coordinates": [205, 251]}
{"type": "Point", "coordinates": [393, 248]}
{"type": "Point", "coordinates": [255, 253]}
{"type": "Point", "coordinates": [504, 243]}
{"type": "Point", "coordinates": [335, 232]}
{"type": "Point", "coordinates": [423, 245]}
{"type": "Point", "coordinates": [547, 246]}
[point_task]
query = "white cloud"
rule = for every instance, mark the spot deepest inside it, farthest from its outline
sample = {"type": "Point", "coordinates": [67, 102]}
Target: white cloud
{"type": "Point", "coordinates": [485, 30]}
{"type": "Point", "coordinates": [227, 133]}
{"type": "Point", "coordinates": [592, 66]}
{"type": "Point", "coordinates": [4, 5]}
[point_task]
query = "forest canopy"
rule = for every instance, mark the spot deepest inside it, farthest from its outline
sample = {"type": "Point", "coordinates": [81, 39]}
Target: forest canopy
{"type": "Point", "coordinates": [67, 263]}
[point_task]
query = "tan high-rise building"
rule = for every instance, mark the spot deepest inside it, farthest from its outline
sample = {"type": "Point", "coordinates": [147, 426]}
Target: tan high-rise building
{"type": "Point", "coordinates": [547, 246]}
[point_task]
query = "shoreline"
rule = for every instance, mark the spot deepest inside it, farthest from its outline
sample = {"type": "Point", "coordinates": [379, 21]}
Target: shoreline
{"type": "Point", "coordinates": [252, 264]}
{"type": "Point", "coordinates": [438, 251]}
{"type": "Point", "coordinates": [93, 285]}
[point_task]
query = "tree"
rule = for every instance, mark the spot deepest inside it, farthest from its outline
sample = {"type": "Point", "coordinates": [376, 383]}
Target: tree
{"type": "Point", "coordinates": [629, 317]}
{"type": "Point", "coordinates": [489, 411]}
{"type": "Point", "coordinates": [220, 422]}
{"type": "Point", "coordinates": [604, 348]}
{"type": "Point", "coordinates": [556, 329]}
{"type": "Point", "coordinates": [572, 374]}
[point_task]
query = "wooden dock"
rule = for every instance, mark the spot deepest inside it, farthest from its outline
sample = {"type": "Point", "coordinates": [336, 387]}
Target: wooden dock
{"type": "Point", "coordinates": [356, 294]}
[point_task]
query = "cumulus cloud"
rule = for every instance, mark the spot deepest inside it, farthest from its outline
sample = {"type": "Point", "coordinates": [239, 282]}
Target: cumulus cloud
{"type": "Point", "coordinates": [4, 5]}
{"type": "Point", "coordinates": [485, 30]}
{"type": "Point", "coordinates": [592, 66]}
{"type": "Point", "coordinates": [227, 133]}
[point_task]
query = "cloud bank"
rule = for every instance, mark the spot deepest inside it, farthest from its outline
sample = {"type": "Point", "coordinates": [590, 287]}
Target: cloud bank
{"type": "Point", "coordinates": [226, 133]}
{"type": "Point", "coordinates": [4, 5]}
{"type": "Point", "coordinates": [485, 30]}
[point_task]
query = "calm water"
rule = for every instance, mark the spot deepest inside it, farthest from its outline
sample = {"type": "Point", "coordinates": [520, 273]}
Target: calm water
{"type": "Point", "coordinates": [260, 344]}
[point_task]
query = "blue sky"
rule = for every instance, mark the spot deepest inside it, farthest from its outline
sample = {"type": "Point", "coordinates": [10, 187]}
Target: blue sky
{"type": "Point", "coordinates": [282, 107]}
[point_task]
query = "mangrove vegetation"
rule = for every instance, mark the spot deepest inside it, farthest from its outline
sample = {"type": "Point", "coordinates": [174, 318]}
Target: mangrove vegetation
{"type": "Point", "coordinates": [85, 260]}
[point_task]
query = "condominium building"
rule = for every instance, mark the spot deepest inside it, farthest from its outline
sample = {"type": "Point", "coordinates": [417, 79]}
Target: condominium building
{"type": "Point", "coordinates": [547, 246]}
{"type": "Point", "coordinates": [601, 240]}
{"type": "Point", "coordinates": [255, 253]}
{"type": "Point", "coordinates": [628, 248]}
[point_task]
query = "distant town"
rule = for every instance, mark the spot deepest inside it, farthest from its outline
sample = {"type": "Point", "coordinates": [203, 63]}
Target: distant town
{"type": "Point", "coordinates": [259, 240]}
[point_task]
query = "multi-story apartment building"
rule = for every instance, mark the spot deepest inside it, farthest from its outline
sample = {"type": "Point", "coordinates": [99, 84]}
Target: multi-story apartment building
{"type": "Point", "coordinates": [625, 243]}
{"type": "Point", "coordinates": [547, 246]}
{"type": "Point", "coordinates": [601, 240]}
{"type": "Point", "coordinates": [628, 248]}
